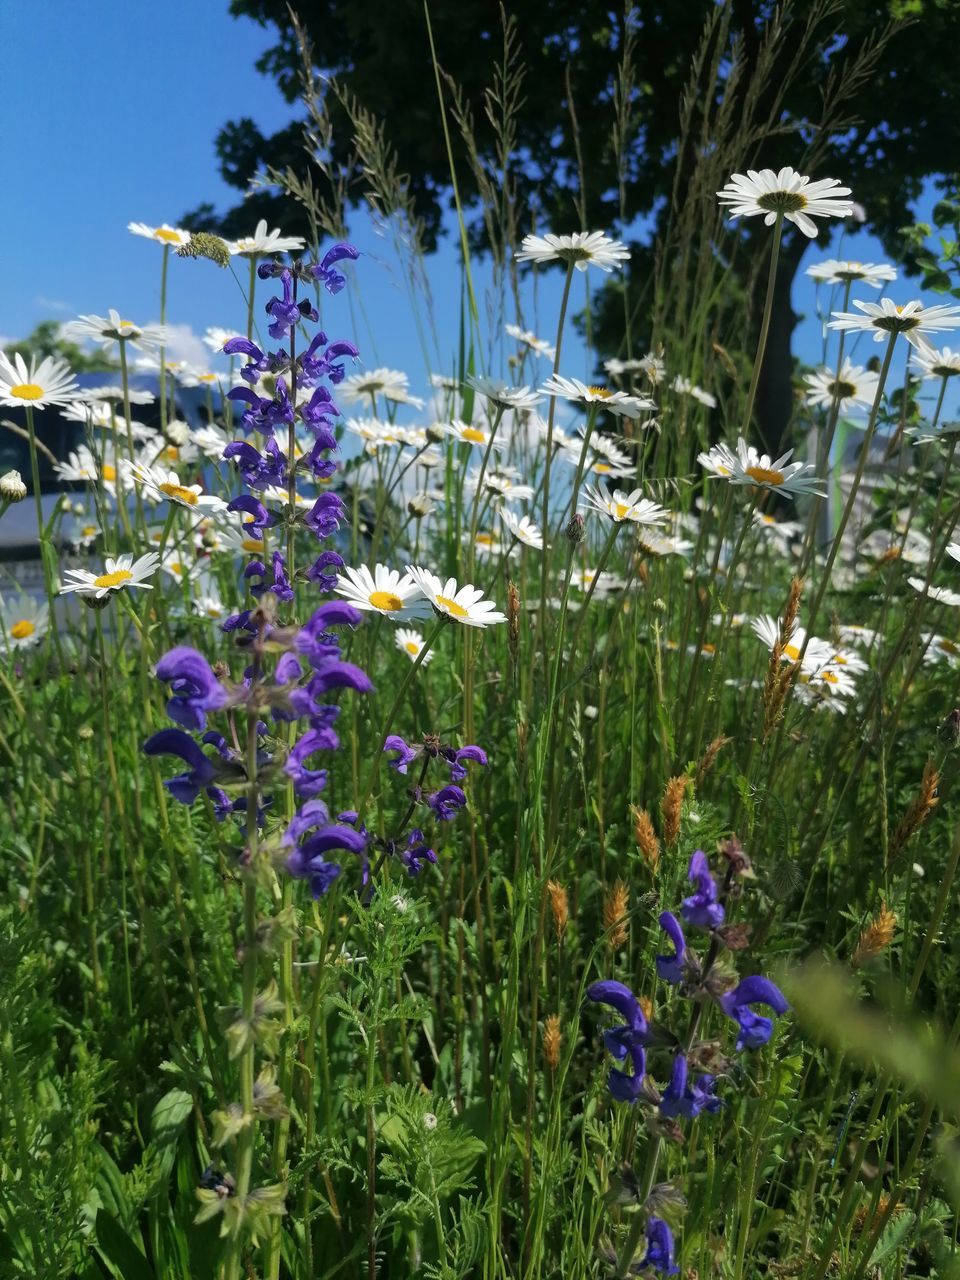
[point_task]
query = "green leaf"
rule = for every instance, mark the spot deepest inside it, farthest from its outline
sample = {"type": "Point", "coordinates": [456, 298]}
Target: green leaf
{"type": "Point", "coordinates": [119, 1250]}
{"type": "Point", "coordinates": [170, 1115]}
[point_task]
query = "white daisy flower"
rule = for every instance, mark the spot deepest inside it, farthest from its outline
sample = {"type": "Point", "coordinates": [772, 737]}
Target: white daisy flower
{"type": "Point", "coordinates": [835, 271]}
{"type": "Point", "coordinates": [652, 367]}
{"type": "Point", "coordinates": [753, 468]}
{"type": "Point", "coordinates": [854, 386]}
{"type": "Point", "coordinates": [166, 235]}
{"type": "Point", "coordinates": [912, 319]}
{"type": "Point", "coordinates": [211, 441]}
{"type": "Point", "coordinates": [23, 622]}
{"type": "Point", "coordinates": [854, 633]}
{"type": "Point", "coordinates": [82, 534]}
{"type": "Point", "coordinates": [942, 363]}
{"type": "Point", "coordinates": [940, 649]}
{"type": "Point", "coordinates": [766, 194]}
{"type": "Point", "coordinates": [499, 394]}
{"type": "Point", "coordinates": [228, 534]}
{"type": "Point", "coordinates": [389, 383]}
{"type": "Point", "coordinates": [883, 546]}
{"type": "Point", "coordinates": [35, 385]}
{"type": "Point", "coordinates": [171, 453]}
{"type": "Point", "coordinates": [385, 591]}
{"type": "Point", "coordinates": [583, 579]}
{"type": "Point", "coordinates": [616, 402]}
{"type": "Point", "coordinates": [265, 242]}
{"type": "Point", "coordinates": [411, 643]}
{"type": "Point", "coordinates": [537, 345]}
{"type": "Point", "coordinates": [111, 329]}
{"type": "Point", "coordinates": [688, 388]}
{"type": "Point", "coordinates": [115, 392]}
{"type": "Point", "coordinates": [465, 604]}
{"type": "Point", "coordinates": [174, 564]}
{"type": "Point", "coordinates": [209, 605]}
{"type": "Point", "coordinates": [652, 543]}
{"type": "Point", "coordinates": [620, 506]}
{"type": "Point", "coordinates": [161, 485]}
{"type": "Point", "coordinates": [943, 595]}
{"type": "Point", "coordinates": [444, 383]}
{"type": "Point", "coordinates": [522, 529]}
{"type": "Point", "coordinates": [118, 574]}
{"type": "Point", "coordinates": [720, 461]}
{"type": "Point", "coordinates": [466, 433]}
{"type": "Point", "coordinates": [781, 530]}
{"type": "Point", "coordinates": [277, 493]}
{"type": "Point", "coordinates": [214, 337]}
{"type": "Point", "coordinates": [485, 544]}
{"type": "Point", "coordinates": [583, 249]}
{"type": "Point", "coordinates": [502, 486]}
{"type": "Point", "coordinates": [192, 376]}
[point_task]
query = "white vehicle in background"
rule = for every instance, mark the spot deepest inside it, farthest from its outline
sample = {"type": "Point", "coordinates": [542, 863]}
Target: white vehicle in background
{"type": "Point", "coordinates": [21, 566]}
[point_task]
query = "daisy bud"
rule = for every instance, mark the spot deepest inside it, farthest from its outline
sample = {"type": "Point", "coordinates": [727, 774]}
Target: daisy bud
{"type": "Point", "coordinates": [12, 487]}
{"type": "Point", "coordinates": [419, 506]}
{"type": "Point", "coordinates": [436, 433]}
{"type": "Point", "coordinates": [574, 532]}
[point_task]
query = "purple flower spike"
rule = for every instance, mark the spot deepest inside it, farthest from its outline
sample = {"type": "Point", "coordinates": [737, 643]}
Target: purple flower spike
{"type": "Point", "coordinates": [702, 909]}
{"type": "Point", "coordinates": [660, 1249]}
{"type": "Point", "coordinates": [194, 689]}
{"type": "Point", "coordinates": [671, 1103]}
{"type": "Point", "coordinates": [333, 280]}
{"type": "Point", "coordinates": [457, 770]}
{"type": "Point", "coordinates": [683, 1098]}
{"type": "Point", "coordinates": [670, 968]}
{"type": "Point", "coordinates": [755, 1029]}
{"type": "Point", "coordinates": [629, 1039]}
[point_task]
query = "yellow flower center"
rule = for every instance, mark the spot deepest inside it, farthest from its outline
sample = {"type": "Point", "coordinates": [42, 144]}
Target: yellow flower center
{"type": "Point", "coordinates": [601, 468]}
{"type": "Point", "coordinates": [171, 453]}
{"type": "Point", "coordinates": [109, 473]}
{"type": "Point", "coordinates": [723, 471]}
{"type": "Point", "coordinates": [114, 579]}
{"type": "Point", "coordinates": [386, 600]}
{"type": "Point", "coordinates": [252, 544]}
{"type": "Point", "coordinates": [213, 611]}
{"type": "Point", "coordinates": [792, 652]}
{"type": "Point", "coordinates": [412, 648]}
{"type": "Point", "coordinates": [20, 630]}
{"type": "Point", "coordinates": [165, 236]}
{"type": "Point", "coordinates": [473, 435]}
{"type": "Point", "coordinates": [946, 645]}
{"type": "Point", "coordinates": [175, 566]}
{"type": "Point", "coordinates": [180, 493]}
{"type": "Point", "coordinates": [621, 510]}
{"type": "Point", "coordinates": [27, 391]}
{"type": "Point", "coordinates": [763, 475]}
{"type": "Point", "coordinates": [88, 531]}
{"type": "Point", "coordinates": [709, 650]}
{"type": "Point", "coordinates": [602, 393]}
{"type": "Point", "coordinates": [830, 677]}
{"type": "Point", "coordinates": [485, 539]}
{"type": "Point", "coordinates": [455, 610]}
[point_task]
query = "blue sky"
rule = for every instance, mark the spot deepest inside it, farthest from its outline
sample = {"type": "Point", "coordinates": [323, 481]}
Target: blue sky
{"type": "Point", "coordinates": [112, 110]}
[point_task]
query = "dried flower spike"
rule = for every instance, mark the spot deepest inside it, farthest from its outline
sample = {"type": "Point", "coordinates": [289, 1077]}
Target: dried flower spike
{"type": "Point", "coordinates": [921, 806]}
{"type": "Point", "coordinates": [559, 907]}
{"type": "Point", "coordinates": [552, 1040]}
{"type": "Point", "coordinates": [615, 906]}
{"type": "Point", "coordinates": [646, 837]}
{"type": "Point", "coordinates": [671, 805]}
{"type": "Point", "coordinates": [876, 937]}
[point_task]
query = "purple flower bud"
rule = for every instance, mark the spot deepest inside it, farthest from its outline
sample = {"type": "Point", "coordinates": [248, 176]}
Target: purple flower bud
{"type": "Point", "coordinates": [670, 968]}
{"type": "Point", "coordinates": [660, 1248]}
{"type": "Point", "coordinates": [755, 1030]}
{"type": "Point", "coordinates": [194, 689]}
{"type": "Point", "coordinates": [447, 802]}
{"type": "Point", "coordinates": [185, 787]}
{"type": "Point", "coordinates": [702, 908]}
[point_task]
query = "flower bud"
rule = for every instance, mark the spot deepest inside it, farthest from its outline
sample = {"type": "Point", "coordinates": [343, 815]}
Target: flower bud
{"type": "Point", "coordinates": [575, 532]}
{"type": "Point", "coordinates": [12, 487]}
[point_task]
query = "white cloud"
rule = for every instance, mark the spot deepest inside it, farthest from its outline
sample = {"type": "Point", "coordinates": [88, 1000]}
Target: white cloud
{"type": "Point", "coordinates": [183, 344]}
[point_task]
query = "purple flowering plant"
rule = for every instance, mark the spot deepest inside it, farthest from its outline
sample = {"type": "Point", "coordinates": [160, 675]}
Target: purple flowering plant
{"type": "Point", "coordinates": [696, 1066]}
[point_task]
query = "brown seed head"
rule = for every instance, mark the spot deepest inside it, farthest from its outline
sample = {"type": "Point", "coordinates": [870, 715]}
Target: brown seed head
{"type": "Point", "coordinates": [646, 1007]}
{"type": "Point", "coordinates": [876, 937]}
{"type": "Point", "coordinates": [559, 906]}
{"type": "Point", "coordinates": [710, 758]}
{"type": "Point", "coordinates": [552, 1040]}
{"type": "Point", "coordinates": [670, 807]}
{"type": "Point", "coordinates": [615, 905]}
{"type": "Point", "coordinates": [921, 806]}
{"type": "Point", "coordinates": [646, 837]}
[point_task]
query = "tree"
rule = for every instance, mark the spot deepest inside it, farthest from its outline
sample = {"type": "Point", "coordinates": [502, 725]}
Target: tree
{"type": "Point", "coordinates": [595, 142]}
